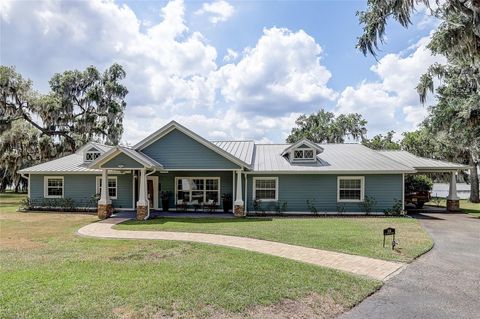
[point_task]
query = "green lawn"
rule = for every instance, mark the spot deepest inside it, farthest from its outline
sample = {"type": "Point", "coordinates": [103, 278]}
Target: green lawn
{"type": "Point", "coordinates": [360, 236]}
{"type": "Point", "coordinates": [49, 271]}
{"type": "Point", "coordinates": [467, 206]}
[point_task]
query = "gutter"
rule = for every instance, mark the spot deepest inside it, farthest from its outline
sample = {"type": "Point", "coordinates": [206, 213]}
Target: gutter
{"type": "Point", "coordinates": [148, 207]}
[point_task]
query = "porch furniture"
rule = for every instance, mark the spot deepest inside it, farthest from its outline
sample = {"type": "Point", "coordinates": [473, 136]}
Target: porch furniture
{"type": "Point", "coordinates": [195, 204]}
{"type": "Point", "coordinates": [209, 206]}
{"type": "Point", "coordinates": [181, 205]}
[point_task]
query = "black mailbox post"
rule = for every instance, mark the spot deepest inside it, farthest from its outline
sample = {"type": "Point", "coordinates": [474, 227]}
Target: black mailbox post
{"type": "Point", "coordinates": [389, 232]}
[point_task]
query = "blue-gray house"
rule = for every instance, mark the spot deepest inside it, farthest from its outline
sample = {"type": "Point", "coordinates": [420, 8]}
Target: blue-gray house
{"type": "Point", "coordinates": [176, 167]}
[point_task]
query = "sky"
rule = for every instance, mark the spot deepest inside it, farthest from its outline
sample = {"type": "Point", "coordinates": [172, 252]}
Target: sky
{"type": "Point", "coordinates": [226, 69]}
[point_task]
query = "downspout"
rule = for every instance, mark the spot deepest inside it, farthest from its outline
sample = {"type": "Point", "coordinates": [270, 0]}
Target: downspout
{"type": "Point", "coordinates": [148, 203]}
{"type": "Point", "coordinates": [27, 178]}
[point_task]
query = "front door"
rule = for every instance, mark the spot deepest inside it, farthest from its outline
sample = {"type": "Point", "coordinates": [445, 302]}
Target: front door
{"type": "Point", "coordinates": [150, 193]}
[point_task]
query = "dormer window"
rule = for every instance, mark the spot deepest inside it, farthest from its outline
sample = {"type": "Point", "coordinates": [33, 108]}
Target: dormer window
{"type": "Point", "coordinates": [90, 156]}
{"type": "Point", "coordinates": [303, 154]}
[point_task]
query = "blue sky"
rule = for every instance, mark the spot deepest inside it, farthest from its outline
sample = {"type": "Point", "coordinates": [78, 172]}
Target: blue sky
{"type": "Point", "coordinates": [227, 69]}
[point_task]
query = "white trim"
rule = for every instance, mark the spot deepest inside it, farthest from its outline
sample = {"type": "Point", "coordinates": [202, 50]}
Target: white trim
{"type": "Point", "coordinates": [200, 170]}
{"type": "Point", "coordinates": [246, 192]}
{"type": "Point", "coordinates": [336, 172]}
{"type": "Point", "coordinates": [403, 191]}
{"type": "Point", "coordinates": [117, 150]}
{"type": "Point", "coordinates": [303, 159]}
{"type": "Point", "coordinates": [175, 189]}
{"type": "Point", "coordinates": [254, 188]}
{"type": "Point", "coordinates": [303, 141]}
{"type": "Point", "coordinates": [97, 185]}
{"type": "Point", "coordinates": [155, 190]}
{"type": "Point", "coordinates": [133, 188]}
{"type": "Point", "coordinates": [45, 186]}
{"type": "Point", "coordinates": [91, 152]}
{"type": "Point", "coordinates": [362, 189]}
{"type": "Point", "coordinates": [174, 125]}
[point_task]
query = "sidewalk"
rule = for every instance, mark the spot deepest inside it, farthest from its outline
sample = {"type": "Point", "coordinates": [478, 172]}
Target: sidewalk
{"type": "Point", "coordinates": [359, 265]}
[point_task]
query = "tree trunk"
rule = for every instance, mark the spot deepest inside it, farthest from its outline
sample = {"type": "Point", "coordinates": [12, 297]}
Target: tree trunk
{"type": "Point", "coordinates": [474, 195]}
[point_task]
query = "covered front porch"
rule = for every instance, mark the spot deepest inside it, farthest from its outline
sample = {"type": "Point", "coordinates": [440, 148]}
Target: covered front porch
{"type": "Point", "coordinates": [161, 191]}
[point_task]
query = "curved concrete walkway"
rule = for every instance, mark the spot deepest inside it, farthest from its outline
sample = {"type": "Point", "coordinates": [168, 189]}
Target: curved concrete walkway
{"type": "Point", "coordinates": [359, 265]}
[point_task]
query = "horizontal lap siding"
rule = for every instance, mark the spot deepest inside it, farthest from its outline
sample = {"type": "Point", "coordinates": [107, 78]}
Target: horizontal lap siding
{"type": "Point", "coordinates": [321, 190]}
{"type": "Point", "coordinates": [122, 159]}
{"type": "Point", "coordinates": [167, 182]}
{"type": "Point", "coordinates": [81, 188]}
{"type": "Point", "coordinates": [176, 150]}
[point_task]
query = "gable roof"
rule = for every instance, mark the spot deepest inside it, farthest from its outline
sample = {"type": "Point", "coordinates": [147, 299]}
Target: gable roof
{"type": "Point", "coordinates": [243, 150]}
{"type": "Point", "coordinates": [143, 159]}
{"type": "Point", "coordinates": [303, 141]}
{"type": "Point", "coordinates": [335, 158]}
{"type": "Point", "coordinates": [174, 125]}
{"type": "Point", "coordinates": [421, 163]}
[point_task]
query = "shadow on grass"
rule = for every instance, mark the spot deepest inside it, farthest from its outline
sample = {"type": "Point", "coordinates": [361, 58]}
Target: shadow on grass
{"type": "Point", "coordinates": [163, 220]}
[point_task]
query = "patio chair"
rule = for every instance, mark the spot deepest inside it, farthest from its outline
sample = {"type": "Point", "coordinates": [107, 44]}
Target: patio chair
{"type": "Point", "coordinates": [181, 205]}
{"type": "Point", "coordinates": [195, 204]}
{"type": "Point", "coordinates": [209, 206]}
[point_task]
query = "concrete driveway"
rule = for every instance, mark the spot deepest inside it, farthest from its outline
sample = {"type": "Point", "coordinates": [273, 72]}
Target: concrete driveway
{"type": "Point", "coordinates": [444, 283]}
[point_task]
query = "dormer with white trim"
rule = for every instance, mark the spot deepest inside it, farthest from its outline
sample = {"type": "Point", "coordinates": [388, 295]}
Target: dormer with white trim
{"type": "Point", "coordinates": [92, 150]}
{"type": "Point", "coordinates": [303, 151]}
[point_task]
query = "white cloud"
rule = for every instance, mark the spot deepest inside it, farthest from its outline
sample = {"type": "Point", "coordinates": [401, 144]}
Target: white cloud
{"type": "Point", "coordinates": [231, 56]}
{"type": "Point", "coordinates": [392, 102]}
{"type": "Point", "coordinates": [219, 11]}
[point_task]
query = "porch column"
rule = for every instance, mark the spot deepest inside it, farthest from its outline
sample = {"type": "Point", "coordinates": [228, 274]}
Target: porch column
{"type": "Point", "coordinates": [239, 209]}
{"type": "Point", "coordinates": [104, 208]}
{"type": "Point", "coordinates": [453, 201]}
{"type": "Point", "coordinates": [142, 203]}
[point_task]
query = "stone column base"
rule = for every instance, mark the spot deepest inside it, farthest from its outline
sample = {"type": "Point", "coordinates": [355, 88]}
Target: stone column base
{"type": "Point", "coordinates": [142, 212]}
{"type": "Point", "coordinates": [104, 211]}
{"type": "Point", "coordinates": [453, 205]}
{"type": "Point", "coordinates": [238, 211]}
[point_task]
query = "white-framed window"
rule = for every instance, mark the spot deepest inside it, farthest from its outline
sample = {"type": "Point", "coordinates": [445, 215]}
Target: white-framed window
{"type": "Point", "coordinates": [112, 186]}
{"type": "Point", "coordinates": [201, 189]}
{"type": "Point", "coordinates": [90, 156]}
{"type": "Point", "coordinates": [265, 189]}
{"type": "Point", "coordinates": [350, 188]}
{"type": "Point", "coordinates": [53, 186]}
{"type": "Point", "coordinates": [303, 154]}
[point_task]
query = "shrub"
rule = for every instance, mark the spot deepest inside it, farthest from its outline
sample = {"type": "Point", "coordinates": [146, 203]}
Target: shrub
{"type": "Point", "coordinates": [257, 206]}
{"type": "Point", "coordinates": [368, 204]}
{"type": "Point", "coordinates": [311, 206]}
{"type": "Point", "coordinates": [415, 183]}
{"type": "Point", "coordinates": [281, 207]}
{"type": "Point", "coordinates": [396, 209]}
{"type": "Point", "coordinates": [340, 209]}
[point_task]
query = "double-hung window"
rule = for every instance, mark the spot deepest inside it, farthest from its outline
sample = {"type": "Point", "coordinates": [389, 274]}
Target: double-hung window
{"type": "Point", "coordinates": [350, 188]}
{"type": "Point", "coordinates": [265, 188]}
{"type": "Point", "coordinates": [201, 189]}
{"type": "Point", "coordinates": [53, 186]}
{"type": "Point", "coordinates": [112, 186]}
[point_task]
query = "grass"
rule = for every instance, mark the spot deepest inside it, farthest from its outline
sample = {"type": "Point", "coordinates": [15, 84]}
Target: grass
{"type": "Point", "coordinates": [360, 236]}
{"type": "Point", "coordinates": [49, 271]}
{"type": "Point", "coordinates": [466, 206]}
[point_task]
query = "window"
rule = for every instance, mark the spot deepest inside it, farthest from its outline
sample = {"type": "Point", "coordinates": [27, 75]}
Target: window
{"type": "Point", "coordinates": [351, 189]}
{"type": "Point", "coordinates": [201, 189]}
{"type": "Point", "coordinates": [90, 156]}
{"type": "Point", "coordinates": [265, 188]}
{"type": "Point", "coordinates": [53, 187]}
{"type": "Point", "coordinates": [303, 154]}
{"type": "Point", "coordinates": [112, 186]}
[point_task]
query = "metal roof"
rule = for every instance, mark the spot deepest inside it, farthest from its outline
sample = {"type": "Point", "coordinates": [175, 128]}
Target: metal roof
{"type": "Point", "coordinates": [335, 158]}
{"type": "Point", "coordinates": [243, 150]}
{"type": "Point", "coordinates": [73, 163]}
{"type": "Point", "coordinates": [421, 163]}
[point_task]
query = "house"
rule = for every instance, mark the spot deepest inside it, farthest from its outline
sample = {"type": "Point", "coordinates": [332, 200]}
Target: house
{"type": "Point", "coordinates": [298, 178]}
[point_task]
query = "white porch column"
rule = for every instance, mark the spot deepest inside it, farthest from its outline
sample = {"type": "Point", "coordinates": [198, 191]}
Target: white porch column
{"type": "Point", "coordinates": [104, 196]}
{"type": "Point", "coordinates": [104, 208]}
{"type": "Point", "coordinates": [452, 191]}
{"type": "Point", "coordinates": [453, 201]}
{"type": "Point", "coordinates": [142, 203]}
{"type": "Point", "coordinates": [239, 210]}
{"type": "Point", "coordinates": [142, 193]}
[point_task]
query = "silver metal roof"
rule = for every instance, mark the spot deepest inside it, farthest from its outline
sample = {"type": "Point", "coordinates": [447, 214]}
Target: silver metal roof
{"type": "Point", "coordinates": [335, 158]}
{"type": "Point", "coordinates": [73, 163]}
{"type": "Point", "coordinates": [421, 163]}
{"type": "Point", "coordinates": [243, 150]}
